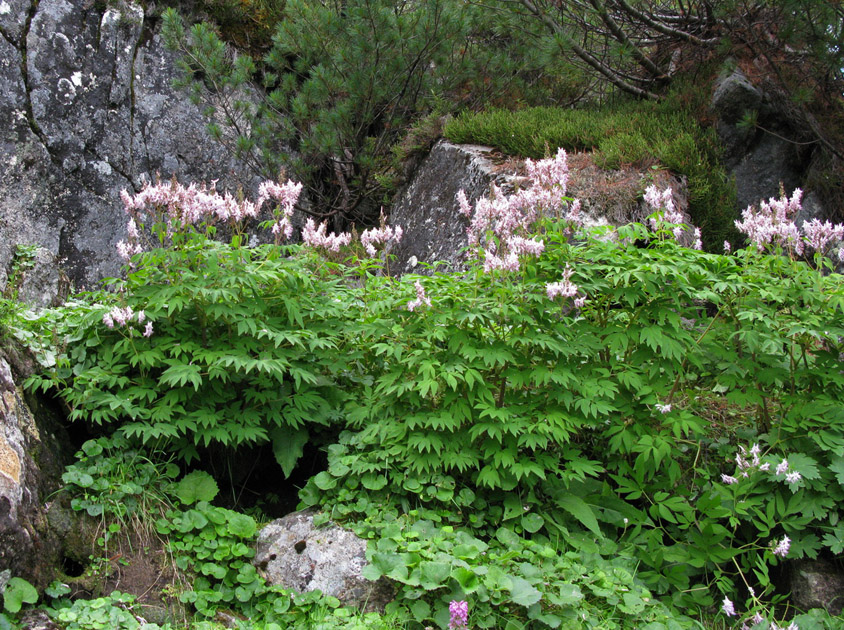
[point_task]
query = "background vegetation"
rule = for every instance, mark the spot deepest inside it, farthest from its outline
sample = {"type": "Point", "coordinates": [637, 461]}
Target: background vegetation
{"type": "Point", "coordinates": [646, 451]}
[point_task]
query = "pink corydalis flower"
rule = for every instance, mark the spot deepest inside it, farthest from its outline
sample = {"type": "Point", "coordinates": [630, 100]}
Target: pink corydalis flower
{"type": "Point", "coordinates": [782, 547]}
{"type": "Point", "coordinates": [771, 223]}
{"type": "Point", "coordinates": [458, 612]}
{"type": "Point", "coordinates": [565, 287]}
{"type": "Point", "coordinates": [148, 330]}
{"type": "Point", "coordinates": [820, 234]}
{"type": "Point", "coordinates": [500, 225]}
{"type": "Point", "coordinates": [421, 298]}
{"type": "Point", "coordinates": [314, 236]}
{"type": "Point", "coordinates": [728, 607]}
{"type": "Point", "coordinates": [383, 235]}
{"type": "Point", "coordinates": [729, 480]}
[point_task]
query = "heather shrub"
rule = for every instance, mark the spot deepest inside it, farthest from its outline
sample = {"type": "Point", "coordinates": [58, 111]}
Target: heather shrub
{"type": "Point", "coordinates": [632, 133]}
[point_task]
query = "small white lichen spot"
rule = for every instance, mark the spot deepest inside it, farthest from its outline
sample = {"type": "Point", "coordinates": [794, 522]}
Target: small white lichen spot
{"type": "Point", "coordinates": [13, 160]}
{"type": "Point", "coordinates": [76, 79]}
{"type": "Point", "coordinates": [103, 168]}
{"type": "Point", "coordinates": [5, 8]}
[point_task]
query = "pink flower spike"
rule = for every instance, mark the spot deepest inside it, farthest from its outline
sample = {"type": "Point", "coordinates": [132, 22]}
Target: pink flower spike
{"type": "Point", "coordinates": [728, 607]}
{"type": "Point", "coordinates": [727, 479]}
{"type": "Point", "coordinates": [421, 298]}
{"type": "Point", "coordinates": [148, 330]}
{"type": "Point", "coordinates": [782, 547]}
{"type": "Point", "coordinates": [458, 615]}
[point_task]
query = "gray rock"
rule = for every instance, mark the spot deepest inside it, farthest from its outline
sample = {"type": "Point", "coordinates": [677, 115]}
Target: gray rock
{"type": "Point", "coordinates": [294, 554]}
{"type": "Point", "coordinates": [734, 96]}
{"type": "Point", "coordinates": [770, 164]}
{"type": "Point", "coordinates": [817, 584]}
{"type": "Point", "coordinates": [91, 112]}
{"type": "Point", "coordinates": [427, 210]}
{"type": "Point", "coordinates": [27, 548]}
{"type": "Point", "coordinates": [37, 620]}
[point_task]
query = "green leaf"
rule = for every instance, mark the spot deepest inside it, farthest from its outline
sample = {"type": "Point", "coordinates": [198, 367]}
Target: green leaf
{"type": "Point", "coordinates": [242, 525]}
{"type": "Point", "coordinates": [467, 579]}
{"type": "Point", "coordinates": [580, 510]}
{"type": "Point", "coordinates": [523, 592]}
{"type": "Point", "coordinates": [196, 486]}
{"type": "Point", "coordinates": [288, 446]}
{"type": "Point", "coordinates": [420, 610]}
{"type": "Point", "coordinates": [433, 575]}
{"type": "Point", "coordinates": [18, 592]}
{"type": "Point", "coordinates": [532, 522]}
{"type": "Point", "coordinates": [837, 466]}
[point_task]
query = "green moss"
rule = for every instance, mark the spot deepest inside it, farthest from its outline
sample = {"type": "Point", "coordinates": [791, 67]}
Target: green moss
{"type": "Point", "coordinates": [636, 133]}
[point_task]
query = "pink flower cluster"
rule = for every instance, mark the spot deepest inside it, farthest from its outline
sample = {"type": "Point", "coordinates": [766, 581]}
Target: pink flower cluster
{"type": "Point", "coordinates": [381, 235]}
{"type": "Point", "coordinates": [820, 234]}
{"type": "Point", "coordinates": [665, 215]}
{"type": "Point", "coordinates": [729, 609]}
{"type": "Point", "coordinates": [123, 316]}
{"type": "Point", "coordinates": [782, 547]}
{"type": "Point", "coordinates": [500, 225]}
{"type": "Point", "coordinates": [749, 461]}
{"type": "Point", "coordinates": [316, 237]}
{"type": "Point", "coordinates": [286, 195]}
{"type": "Point", "coordinates": [421, 298]}
{"type": "Point", "coordinates": [458, 612]}
{"type": "Point", "coordinates": [771, 223]}
{"type": "Point", "coordinates": [565, 287]}
{"type": "Point", "coordinates": [189, 205]}
{"type": "Point", "coordinates": [173, 202]}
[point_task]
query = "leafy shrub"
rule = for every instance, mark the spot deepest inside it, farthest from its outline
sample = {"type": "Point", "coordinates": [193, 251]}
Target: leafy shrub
{"type": "Point", "coordinates": [607, 382]}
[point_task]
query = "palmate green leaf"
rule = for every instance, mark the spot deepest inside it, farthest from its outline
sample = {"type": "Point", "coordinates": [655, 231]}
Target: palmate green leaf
{"type": "Point", "coordinates": [288, 445]}
{"type": "Point", "coordinates": [181, 374]}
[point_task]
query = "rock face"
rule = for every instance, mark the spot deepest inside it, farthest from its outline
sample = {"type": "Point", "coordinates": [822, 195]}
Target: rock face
{"type": "Point", "coordinates": [87, 109]}
{"type": "Point", "coordinates": [27, 548]}
{"type": "Point", "coordinates": [294, 554]}
{"type": "Point", "coordinates": [759, 157]}
{"type": "Point", "coordinates": [435, 231]}
{"type": "Point", "coordinates": [817, 584]}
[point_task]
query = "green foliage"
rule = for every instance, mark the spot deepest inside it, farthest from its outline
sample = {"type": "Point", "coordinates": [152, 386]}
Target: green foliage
{"type": "Point", "coordinates": [23, 259]}
{"type": "Point", "coordinates": [112, 480]}
{"type": "Point", "coordinates": [632, 133]}
{"type": "Point", "coordinates": [512, 580]}
{"type": "Point", "coordinates": [244, 350]}
{"type": "Point", "coordinates": [196, 486]}
{"type": "Point", "coordinates": [344, 81]}
{"type": "Point", "coordinates": [113, 612]}
{"type": "Point", "coordinates": [16, 593]}
{"type": "Point", "coordinates": [539, 437]}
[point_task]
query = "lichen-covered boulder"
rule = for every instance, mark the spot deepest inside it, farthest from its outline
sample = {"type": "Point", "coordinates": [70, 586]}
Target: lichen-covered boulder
{"type": "Point", "coordinates": [87, 108]}
{"type": "Point", "coordinates": [29, 472]}
{"type": "Point", "coordinates": [817, 584]}
{"type": "Point", "coordinates": [293, 553]}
